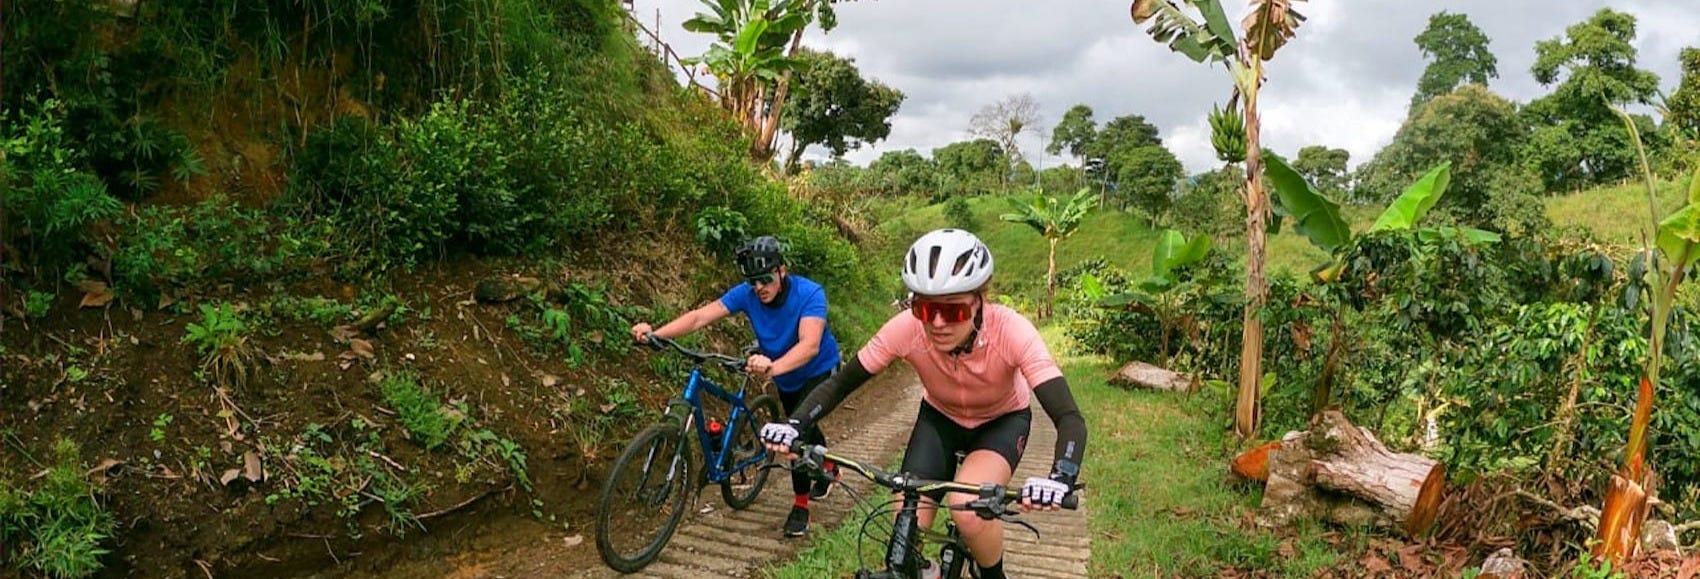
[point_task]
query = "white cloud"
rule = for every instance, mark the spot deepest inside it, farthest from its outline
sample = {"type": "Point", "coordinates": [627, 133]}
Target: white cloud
{"type": "Point", "coordinates": [1343, 82]}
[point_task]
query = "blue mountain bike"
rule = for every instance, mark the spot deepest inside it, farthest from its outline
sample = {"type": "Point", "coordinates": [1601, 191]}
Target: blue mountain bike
{"type": "Point", "coordinates": [645, 495]}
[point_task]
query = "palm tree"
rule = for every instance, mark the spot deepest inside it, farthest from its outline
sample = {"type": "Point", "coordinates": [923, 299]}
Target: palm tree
{"type": "Point", "coordinates": [1056, 220]}
{"type": "Point", "coordinates": [1268, 27]}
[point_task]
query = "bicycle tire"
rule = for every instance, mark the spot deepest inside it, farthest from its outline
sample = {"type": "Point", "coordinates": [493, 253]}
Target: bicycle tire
{"type": "Point", "coordinates": [656, 446]}
{"type": "Point", "coordinates": [763, 409]}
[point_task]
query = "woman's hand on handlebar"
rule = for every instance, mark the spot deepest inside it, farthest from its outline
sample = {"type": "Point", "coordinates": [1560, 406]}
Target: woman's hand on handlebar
{"type": "Point", "coordinates": [1043, 494]}
{"type": "Point", "coordinates": [779, 436]}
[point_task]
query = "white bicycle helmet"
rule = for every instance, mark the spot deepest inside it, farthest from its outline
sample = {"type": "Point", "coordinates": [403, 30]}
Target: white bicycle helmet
{"type": "Point", "coordinates": [947, 261]}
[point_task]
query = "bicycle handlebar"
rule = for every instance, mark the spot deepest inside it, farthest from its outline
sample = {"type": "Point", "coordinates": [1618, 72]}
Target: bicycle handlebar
{"type": "Point", "coordinates": [722, 360]}
{"type": "Point", "coordinates": [993, 497]}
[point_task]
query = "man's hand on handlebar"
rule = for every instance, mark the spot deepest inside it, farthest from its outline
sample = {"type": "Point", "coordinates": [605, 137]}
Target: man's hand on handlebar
{"type": "Point", "coordinates": [759, 365]}
{"type": "Point", "coordinates": [641, 332]}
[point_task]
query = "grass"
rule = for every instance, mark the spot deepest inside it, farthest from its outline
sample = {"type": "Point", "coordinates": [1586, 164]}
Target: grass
{"type": "Point", "coordinates": [1615, 214]}
{"type": "Point", "coordinates": [1161, 505]}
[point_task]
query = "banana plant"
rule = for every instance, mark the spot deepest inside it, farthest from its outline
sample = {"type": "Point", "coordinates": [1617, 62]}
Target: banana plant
{"type": "Point", "coordinates": [1318, 218]}
{"type": "Point", "coordinates": [754, 57]}
{"type": "Point", "coordinates": [1675, 247]}
{"type": "Point", "coordinates": [1056, 220]}
{"type": "Point", "coordinates": [1199, 29]}
{"type": "Point", "coordinates": [1160, 293]}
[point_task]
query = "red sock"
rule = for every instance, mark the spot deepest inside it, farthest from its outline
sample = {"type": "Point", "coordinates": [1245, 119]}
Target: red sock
{"type": "Point", "coordinates": [802, 501]}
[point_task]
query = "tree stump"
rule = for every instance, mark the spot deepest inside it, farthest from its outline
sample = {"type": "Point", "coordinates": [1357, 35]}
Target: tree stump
{"type": "Point", "coordinates": [1140, 374]}
{"type": "Point", "coordinates": [1339, 472]}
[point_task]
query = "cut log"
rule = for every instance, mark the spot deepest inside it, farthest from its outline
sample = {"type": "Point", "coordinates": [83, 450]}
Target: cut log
{"type": "Point", "coordinates": [1254, 464]}
{"type": "Point", "coordinates": [1339, 472]}
{"type": "Point", "coordinates": [1140, 374]}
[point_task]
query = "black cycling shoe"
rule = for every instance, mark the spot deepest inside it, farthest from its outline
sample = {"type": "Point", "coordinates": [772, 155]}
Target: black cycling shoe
{"type": "Point", "coordinates": [822, 488]}
{"type": "Point", "coordinates": [797, 524]}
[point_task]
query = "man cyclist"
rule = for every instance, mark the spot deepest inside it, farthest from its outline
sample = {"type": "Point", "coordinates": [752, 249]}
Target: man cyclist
{"type": "Point", "coordinates": [979, 364]}
{"type": "Point", "coordinates": [797, 349]}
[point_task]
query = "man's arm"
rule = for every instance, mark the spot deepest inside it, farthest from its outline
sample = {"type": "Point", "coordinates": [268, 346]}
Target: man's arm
{"type": "Point", "coordinates": [693, 320]}
{"type": "Point", "coordinates": [809, 332]}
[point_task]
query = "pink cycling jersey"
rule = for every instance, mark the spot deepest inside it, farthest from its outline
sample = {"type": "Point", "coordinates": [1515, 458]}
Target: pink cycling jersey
{"type": "Point", "coordinates": [995, 378]}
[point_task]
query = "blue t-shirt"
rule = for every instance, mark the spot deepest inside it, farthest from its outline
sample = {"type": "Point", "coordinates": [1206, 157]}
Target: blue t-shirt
{"type": "Point", "coordinates": [776, 326]}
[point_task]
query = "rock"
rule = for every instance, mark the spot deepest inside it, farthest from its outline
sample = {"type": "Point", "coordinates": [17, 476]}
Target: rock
{"type": "Point", "coordinates": [505, 289]}
{"type": "Point", "coordinates": [1657, 535]}
{"type": "Point", "coordinates": [1144, 375]}
{"type": "Point", "coordinates": [1502, 564]}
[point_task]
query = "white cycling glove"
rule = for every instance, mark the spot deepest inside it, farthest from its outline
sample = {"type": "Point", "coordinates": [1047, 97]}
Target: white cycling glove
{"type": "Point", "coordinates": [780, 433]}
{"type": "Point", "coordinates": [1044, 491]}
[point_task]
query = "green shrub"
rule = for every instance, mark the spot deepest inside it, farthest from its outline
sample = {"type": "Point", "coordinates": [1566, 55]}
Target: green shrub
{"type": "Point", "coordinates": [958, 215]}
{"type": "Point", "coordinates": [422, 412]}
{"type": "Point", "coordinates": [49, 197]}
{"type": "Point", "coordinates": [58, 527]}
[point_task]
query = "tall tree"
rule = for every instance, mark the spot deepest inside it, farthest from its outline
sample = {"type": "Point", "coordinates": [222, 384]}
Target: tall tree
{"type": "Point", "coordinates": [1055, 219]}
{"type": "Point", "coordinates": [1109, 145]}
{"type": "Point", "coordinates": [972, 167]}
{"type": "Point", "coordinates": [1683, 106]}
{"type": "Point", "coordinates": [1460, 56]}
{"type": "Point", "coordinates": [1324, 167]}
{"type": "Point", "coordinates": [1577, 141]}
{"type": "Point", "coordinates": [1074, 132]}
{"type": "Point", "coordinates": [1146, 178]}
{"type": "Point", "coordinates": [1003, 122]}
{"type": "Point", "coordinates": [1208, 37]}
{"type": "Point", "coordinates": [906, 170]}
{"type": "Point", "coordinates": [833, 105]}
{"type": "Point", "coordinates": [1480, 134]}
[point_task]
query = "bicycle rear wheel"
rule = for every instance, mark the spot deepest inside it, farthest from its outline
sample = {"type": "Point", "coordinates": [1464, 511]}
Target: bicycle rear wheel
{"type": "Point", "coordinates": [644, 498]}
{"type": "Point", "coordinates": [742, 487]}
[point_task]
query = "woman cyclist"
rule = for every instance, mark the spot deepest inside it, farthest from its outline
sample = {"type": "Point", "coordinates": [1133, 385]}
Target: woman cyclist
{"type": "Point", "coordinates": [980, 364]}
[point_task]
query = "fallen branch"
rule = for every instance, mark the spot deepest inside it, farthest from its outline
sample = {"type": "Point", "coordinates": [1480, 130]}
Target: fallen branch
{"type": "Point", "coordinates": [1586, 515]}
{"type": "Point", "coordinates": [1686, 527]}
{"type": "Point", "coordinates": [375, 317]}
{"type": "Point", "coordinates": [387, 460]}
{"type": "Point", "coordinates": [462, 505]}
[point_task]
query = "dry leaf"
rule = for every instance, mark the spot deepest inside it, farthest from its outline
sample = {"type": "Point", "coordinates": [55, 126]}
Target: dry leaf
{"type": "Point", "coordinates": [609, 407]}
{"type": "Point", "coordinates": [550, 380]}
{"type": "Point", "coordinates": [251, 468]}
{"type": "Point", "coordinates": [575, 540]}
{"type": "Point", "coordinates": [1374, 563]}
{"type": "Point", "coordinates": [97, 294]}
{"type": "Point", "coordinates": [229, 475]}
{"type": "Point", "coordinates": [362, 348]}
{"type": "Point", "coordinates": [344, 333]}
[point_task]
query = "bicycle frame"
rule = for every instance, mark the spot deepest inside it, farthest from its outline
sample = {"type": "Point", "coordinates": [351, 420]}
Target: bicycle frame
{"type": "Point", "coordinates": [714, 467]}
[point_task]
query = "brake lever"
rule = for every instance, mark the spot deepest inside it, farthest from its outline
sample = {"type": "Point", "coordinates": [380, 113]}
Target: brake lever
{"type": "Point", "coordinates": [1012, 517]}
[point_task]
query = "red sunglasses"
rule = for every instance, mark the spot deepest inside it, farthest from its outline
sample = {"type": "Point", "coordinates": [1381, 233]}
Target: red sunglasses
{"type": "Point", "coordinates": [952, 312]}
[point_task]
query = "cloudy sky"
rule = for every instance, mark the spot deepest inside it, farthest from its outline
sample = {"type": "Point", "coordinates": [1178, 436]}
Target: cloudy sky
{"type": "Point", "coordinates": [1344, 82]}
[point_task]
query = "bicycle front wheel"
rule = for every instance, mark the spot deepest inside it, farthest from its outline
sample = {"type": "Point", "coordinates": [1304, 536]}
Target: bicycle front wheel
{"type": "Point", "coordinates": [644, 498]}
{"type": "Point", "coordinates": [743, 486]}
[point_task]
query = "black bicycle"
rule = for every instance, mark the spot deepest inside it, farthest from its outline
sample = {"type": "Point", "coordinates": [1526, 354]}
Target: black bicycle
{"type": "Point", "coordinates": [644, 498]}
{"type": "Point", "coordinates": [907, 543]}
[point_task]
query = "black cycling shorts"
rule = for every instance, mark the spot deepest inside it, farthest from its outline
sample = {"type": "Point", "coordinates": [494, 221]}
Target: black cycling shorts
{"type": "Point", "coordinates": [936, 440]}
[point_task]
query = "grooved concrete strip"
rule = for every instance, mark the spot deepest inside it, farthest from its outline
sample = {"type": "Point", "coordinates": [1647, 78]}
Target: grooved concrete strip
{"type": "Point", "coordinates": [722, 542]}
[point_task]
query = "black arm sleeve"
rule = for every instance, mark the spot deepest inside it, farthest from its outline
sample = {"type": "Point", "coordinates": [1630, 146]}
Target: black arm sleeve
{"type": "Point", "coordinates": [830, 393]}
{"type": "Point", "coordinates": [1071, 426]}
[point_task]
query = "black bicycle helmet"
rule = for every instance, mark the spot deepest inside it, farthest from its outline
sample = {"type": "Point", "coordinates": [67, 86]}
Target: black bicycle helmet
{"type": "Point", "coordinates": [760, 255]}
